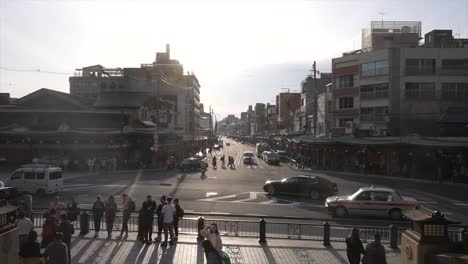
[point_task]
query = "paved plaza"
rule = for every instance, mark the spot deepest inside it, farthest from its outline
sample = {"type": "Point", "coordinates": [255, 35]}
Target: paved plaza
{"type": "Point", "coordinates": [86, 249]}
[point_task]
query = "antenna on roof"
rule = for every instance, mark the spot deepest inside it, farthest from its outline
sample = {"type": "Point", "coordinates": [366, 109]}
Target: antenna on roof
{"type": "Point", "coordinates": [382, 13]}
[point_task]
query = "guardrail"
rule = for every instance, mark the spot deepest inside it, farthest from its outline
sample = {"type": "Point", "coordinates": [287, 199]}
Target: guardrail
{"type": "Point", "coordinates": [264, 228]}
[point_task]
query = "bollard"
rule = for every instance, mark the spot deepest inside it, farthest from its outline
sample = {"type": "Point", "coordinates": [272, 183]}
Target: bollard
{"type": "Point", "coordinates": [326, 233]}
{"type": "Point", "coordinates": [84, 223]}
{"type": "Point", "coordinates": [262, 231]}
{"type": "Point", "coordinates": [201, 226]}
{"type": "Point", "coordinates": [393, 236]}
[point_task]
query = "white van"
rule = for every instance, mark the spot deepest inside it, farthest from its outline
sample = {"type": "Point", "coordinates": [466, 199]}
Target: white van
{"type": "Point", "coordinates": [37, 178]}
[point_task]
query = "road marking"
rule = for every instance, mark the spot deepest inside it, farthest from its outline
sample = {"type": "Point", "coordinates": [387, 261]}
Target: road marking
{"type": "Point", "coordinates": [208, 194]}
{"type": "Point", "coordinates": [461, 204]}
{"type": "Point", "coordinates": [220, 213]}
{"type": "Point", "coordinates": [428, 202]}
{"type": "Point", "coordinates": [218, 198]}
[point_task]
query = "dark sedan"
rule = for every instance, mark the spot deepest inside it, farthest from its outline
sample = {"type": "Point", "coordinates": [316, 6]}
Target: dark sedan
{"type": "Point", "coordinates": [190, 164]}
{"type": "Point", "coordinates": [312, 186]}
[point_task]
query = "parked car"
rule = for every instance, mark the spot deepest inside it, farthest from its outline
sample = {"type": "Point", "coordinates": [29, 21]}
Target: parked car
{"type": "Point", "coordinates": [374, 201]}
{"type": "Point", "coordinates": [37, 178]}
{"type": "Point", "coordinates": [313, 186]}
{"type": "Point", "coordinates": [283, 155]}
{"type": "Point", "coordinates": [190, 164]}
{"type": "Point", "coordinates": [272, 158]}
{"type": "Point", "coordinates": [248, 157]}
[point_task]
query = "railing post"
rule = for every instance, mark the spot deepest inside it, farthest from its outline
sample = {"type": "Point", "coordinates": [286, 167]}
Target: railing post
{"type": "Point", "coordinates": [201, 226]}
{"type": "Point", "coordinates": [393, 236]}
{"type": "Point", "coordinates": [262, 231]}
{"type": "Point", "coordinates": [326, 233]}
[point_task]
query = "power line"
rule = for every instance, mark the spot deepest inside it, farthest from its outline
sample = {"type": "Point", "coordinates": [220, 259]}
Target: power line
{"type": "Point", "coordinates": [33, 70]}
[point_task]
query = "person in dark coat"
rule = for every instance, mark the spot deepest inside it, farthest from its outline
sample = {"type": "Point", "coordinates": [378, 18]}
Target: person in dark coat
{"type": "Point", "coordinates": [67, 229]}
{"type": "Point", "coordinates": [178, 215]}
{"type": "Point", "coordinates": [149, 208]}
{"type": "Point", "coordinates": [160, 216]}
{"type": "Point", "coordinates": [211, 254]}
{"type": "Point", "coordinates": [354, 247]}
{"type": "Point", "coordinates": [375, 252]}
{"type": "Point", "coordinates": [141, 226]}
{"type": "Point", "coordinates": [49, 228]}
{"type": "Point", "coordinates": [109, 212]}
{"type": "Point", "coordinates": [31, 249]}
{"type": "Point", "coordinates": [98, 212]}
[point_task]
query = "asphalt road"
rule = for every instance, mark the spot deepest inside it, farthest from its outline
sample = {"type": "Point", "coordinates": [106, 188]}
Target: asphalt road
{"type": "Point", "coordinates": [239, 191]}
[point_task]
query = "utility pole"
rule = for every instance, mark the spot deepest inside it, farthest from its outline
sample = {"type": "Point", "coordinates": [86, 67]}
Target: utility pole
{"type": "Point", "coordinates": [314, 69]}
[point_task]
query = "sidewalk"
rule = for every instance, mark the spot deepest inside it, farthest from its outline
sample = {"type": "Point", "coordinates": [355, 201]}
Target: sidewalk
{"type": "Point", "coordinates": [87, 249]}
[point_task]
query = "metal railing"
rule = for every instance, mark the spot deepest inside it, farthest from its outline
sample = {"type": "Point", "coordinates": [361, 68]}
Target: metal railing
{"type": "Point", "coordinates": [254, 227]}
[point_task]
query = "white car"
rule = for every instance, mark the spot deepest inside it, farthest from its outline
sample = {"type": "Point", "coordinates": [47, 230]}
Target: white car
{"type": "Point", "coordinates": [373, 201]}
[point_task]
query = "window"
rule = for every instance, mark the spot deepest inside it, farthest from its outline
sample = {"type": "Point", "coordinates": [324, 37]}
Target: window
{"type": "Point", "coordinates": [375, 68]}
{"type": "Point", "coordinates": [303, 102]}
{"type": "Point", "coordinates": [345, 102]}
{"type": "Point", "coordinates": [420, 66]}
{"type": "Point", "coordinates": [380, 196]}
{"type": "Point", "coordinates": [364, 196]}
{"type": "Point", "coordinates": [455, 92]}
{"type": "Point", "coordinates": [374, 113]}
{"type": "Point", "coordinates": [40, 175]}
{"type": "Point", "coordinates": [344, 81]}
{"type": "Point", "coordinates": [424, 90]}
{"type": "Point", "coordinates": [455, 64]}
{"type": "Point", "coordinates": [55, 175]}
{"type": "Point", "coordinates": [17, 176]}
{"type": "Point", "coordinates": [29, 176]}
{"type": "Point", "coordinates": [374, 91]}
{"type": "Point", "coordinates": [342, 121]}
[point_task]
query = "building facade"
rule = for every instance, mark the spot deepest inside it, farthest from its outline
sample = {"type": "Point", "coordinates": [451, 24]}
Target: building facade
{"type": "Point", "coordinates": [310, 89]}
{"type": "Point", "coordinates": [287, 104]}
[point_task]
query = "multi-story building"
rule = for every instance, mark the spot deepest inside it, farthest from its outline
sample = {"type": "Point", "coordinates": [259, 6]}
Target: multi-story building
{"type": "Point", "coordinates": [287, 104]}
{"type": "Point", "coordinates": [310, 88]}
{"type": "Point", "coordinates": [259, 119]}
{"type": "Point", "coordinates": [164, 80]}
{"type": "Point", "coordinates": [324, 112]}
{"type": "Point", "coordinates": [271, 119]}
{"type": "Point", "coordinates": [395, 86]}
{"type": "Point", "coordinates": [244, 124]}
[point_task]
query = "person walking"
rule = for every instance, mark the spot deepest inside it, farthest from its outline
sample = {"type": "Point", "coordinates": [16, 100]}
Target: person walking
{"type": "Point", "coordinates": [179, 213]}
{"type": "Point", "coordinates": [214, 162]}
{"type": "Point", "coordinates": [49, 228]}
{"type": "Point", "coordinates": [24, 226]}
{"type": "Point", "coordinates": [72, 211]}
{"type": "Point", "coordinates": [56, 252]}
{"type": "Point", "coordinates": [57, 206]}
{"type": "Point", "coordinates": [375, 252]}
{"type": "Point", "coordinates": [211, 233]}
{"type": "Point", "coordinates": [98, 211]}
{"type": "Point", "coordinates": [128, 207]}
{"type": "Point", "coordinates": [222, 159]}
{"type": "Point", "coordinates": [211, 254]}
{"type": "Point", "coordinates": [149, 208]}
{"type": "Point", "coordinates": [67, 230]}
{"type": "Point", "coordinates": [354, 247]}
{"type": "Point", "coordinates": [109, 211]}
{"type": "Point", "coordinates": [31, 250]}
{"type": "Point", "coordinates": [162, 201]}
{"type": "Point", "coordinates": [168, 212]}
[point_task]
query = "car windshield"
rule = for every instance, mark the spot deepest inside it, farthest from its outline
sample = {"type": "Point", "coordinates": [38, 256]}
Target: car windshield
{"type": "Point", "coordinates": [248, 154]}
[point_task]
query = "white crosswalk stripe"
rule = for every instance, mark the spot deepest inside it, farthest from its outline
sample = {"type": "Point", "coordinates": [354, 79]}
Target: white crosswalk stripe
{"type": "Point", "coordinates": [87, 187]}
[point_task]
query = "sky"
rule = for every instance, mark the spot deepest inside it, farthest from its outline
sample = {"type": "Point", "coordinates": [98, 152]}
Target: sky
{"type": "Point", "coordinates": [242, 52]}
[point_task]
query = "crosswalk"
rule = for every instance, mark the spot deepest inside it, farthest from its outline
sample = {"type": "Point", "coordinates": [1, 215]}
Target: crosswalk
{"type": "Point", "coordinates": [89, 187]}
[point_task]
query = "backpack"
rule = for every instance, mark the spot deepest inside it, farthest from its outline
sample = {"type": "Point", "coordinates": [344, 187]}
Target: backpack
{"type": "Point", "coordinates": [131, 205]}
{"type": "Point", "coordinates": [224, 258]}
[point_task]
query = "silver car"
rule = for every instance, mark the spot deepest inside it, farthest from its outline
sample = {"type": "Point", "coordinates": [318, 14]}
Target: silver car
{"type": "Point", "coordinates": [375, 201]}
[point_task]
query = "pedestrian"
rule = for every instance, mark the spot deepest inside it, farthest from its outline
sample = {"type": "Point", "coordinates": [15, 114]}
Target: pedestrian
{"type": "Point", "coordinates": [179, 213]}
{"type": "Point", "coordinates": [222, 159]}
{"type": "Point", "coordinates": [28, 207]}
{"type": "Point", "coordinates": [72, 210]}
{"type": "Point", "coordinates": [141, 225]}
{"type": "Point", "coordinates": [149, 208]}
{"type": "Point", "coordinates": [211, 254]}
{"type": "Point", "coordinates": [354, 247]}
{"type": "Point", "coordinates": [31, 250]}
{"type": "Point", "coordinates": [211, 233]}
{"type": "Point", "coordinates": [24, 226]}
{"type": "Point", "coordinates": [128, 206]}
{"type": "Point", "coordinates": [375, 252]}
{"type": "Point", "coordinates": [109, 211]}
{"type": "Point", "coordinates": [214, 162]}
{"type": "Point", "coordinates": [49, 228]}
{"type": "Point", "coordinates": [98, 211]}
{"type": "Point", "coordinates": [168, 212]}
{"type": "Point", "coordinates": [67, 230]}
{"type": "Point", "coordinates": [57, 206]}
{"type": "Point", "coordinates": [162, 201]}
{"type": "Point", "coordinates": [56, 252]}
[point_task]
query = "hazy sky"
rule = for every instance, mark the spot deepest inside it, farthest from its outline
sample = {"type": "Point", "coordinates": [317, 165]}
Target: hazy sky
{"type": "Point", "coordinates": [242, 52]}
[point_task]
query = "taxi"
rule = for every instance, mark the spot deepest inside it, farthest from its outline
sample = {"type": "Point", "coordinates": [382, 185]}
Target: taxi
{"type": "Point", "coordinates": [374, 201]}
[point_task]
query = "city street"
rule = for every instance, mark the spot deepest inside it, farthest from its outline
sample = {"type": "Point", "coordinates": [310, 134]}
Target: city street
{"type": "Point", "coordinates": [239, 191]}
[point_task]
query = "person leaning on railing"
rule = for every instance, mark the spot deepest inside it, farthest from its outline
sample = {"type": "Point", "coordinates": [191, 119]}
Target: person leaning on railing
{"type": "Point", "coordinates": [211, 233]}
